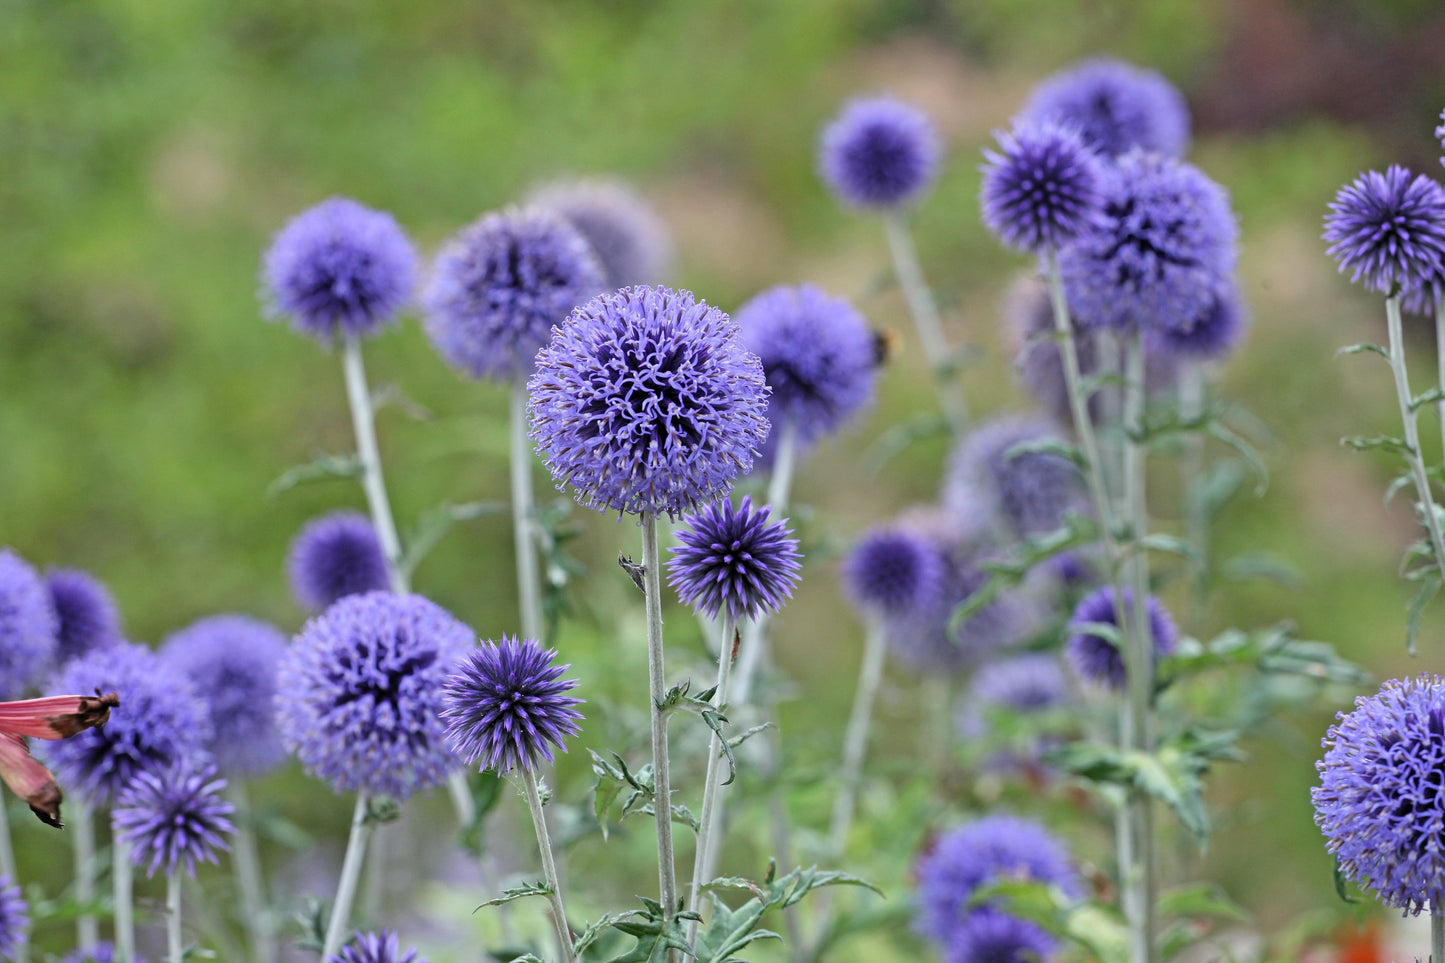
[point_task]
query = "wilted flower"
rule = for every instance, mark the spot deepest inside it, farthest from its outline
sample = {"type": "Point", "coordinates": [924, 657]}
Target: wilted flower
{"type": "Point", "coordinates": [879, 152]}
{"type": "Point", "coordinates": [734, 560]}
{"type": "Point", "coordinates": [380, 947]}
{"type": "Point", "coordinates": [86, 613]}
{"type": "Point", "coordinates": [1115, 106]}
{"type": "Point", "coordinates": [334, 556]}
{"type": "Point", "coordinates": [629, 239]}
{"type": "Point", "coordinates": [1388, 230]}
{"type": "Point", "coordinates": [27, 626]}
{"type": "Point", "coordinates": [1031, 492]}
{"type": "Point", "coordinates": [14, 918]}
{"type": "Point", "coordinates": [174, 816]}
{"type": "Point", "coordinates": [1041, 188]}
{"type": "Point", "coordinates": [894, 571]}
{"type": "Point", "coordinates": [1098, 659]}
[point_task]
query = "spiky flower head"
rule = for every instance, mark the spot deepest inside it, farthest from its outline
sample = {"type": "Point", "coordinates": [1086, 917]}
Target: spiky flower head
{"type": "Point", "coordinates": [334, 556]}
{"type": "Point", "coordinates": [86, 614]}
{"type": "Point", "coordinates": [1379, 803]}
{"type": "Point", "coordinates": [164, 722]}
{"type": "Point", "coordinates": [735, 560]}
{"type": "Point", "coordinates": [359, 693]}
{"type": "Point", "coordinates": [1041, 188]}
{"type": "Point", "coordinates": [1023, 683]}
{"type": "Point", "coordinates": [894, 571]}
{"type": "Point", "coordinates": [231, 660]}
{"type": "Point", "coordinates": [1030, 491]}
{"type": "Point", "coordinates": [506, 706]}
{"type": "Point", "coordinates": [1115, 106]}
{"type": "Point", "coordinates": [1215, 334]}
{"type": "Point", "coordinates": [174, 817]}
{"type": "Point", "coordinates": [499, 286]}
{"type": "Point", "coordinates": [27, 626]}
{"type": "Point", "coordinates": [14, 918]}
{"type": "Point", "coordinates": [1388, 230]}
{"type": "Point", "coordinates": [645, 402]}
{"type": "Point", "coordinates": [630, 240]}
{"type": "Point", "coordinates": [989, 935]}
{"type": "Point", "coordinates": [1098, 659]}
{"type": "Point", "coordinates": [879, 153]}
{"type": "Point", "coordinates": [383, 947]}
{"type": "Point", "coordinates": [818, 356]}
{"type": "Point", "coordinates": [340, 269]}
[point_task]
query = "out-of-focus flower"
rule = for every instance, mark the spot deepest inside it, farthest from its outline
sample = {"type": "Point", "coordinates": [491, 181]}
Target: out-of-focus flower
{"type": "Point", "coordinates": [1115, 106]}
{"type": "Point", "coordinates": [894, 571]}
{"type": "Point", "coordinates": [1041, 188]}
{"type": "Point", "coordinates": [1098, 659]}
{"type": "Point", "coordinates": [27, 626]}
{"type": "Point", "coordinates": [735, 560]}
{"type": "Point", "coordinates": [14, 918]}
{"type": "Point", "coordinates": [174, 817]}
{"type": "Point", "coordinates": [630, 240]}
{"type": "Point", "coordinates": [1031, 492]}
{"type": "Point", "coordinates": [102, 953]}
{"type": "Point", "coordinates": [1215, 333]}
{"type": "Point", "coordinates": [383, 947]}
{"type": "Point", "coordinates": [1388, 230]}
{"type": "Point", "coordinates": [86, 613]}
{"type": "Point", "coordinates": [879, 153]}
{"type": "Point", "coordinates": [1024, 683]}
{"type": "Point", "coordinates": [989, 935]}
{"type": "Point", "coordinates": [334, 556]}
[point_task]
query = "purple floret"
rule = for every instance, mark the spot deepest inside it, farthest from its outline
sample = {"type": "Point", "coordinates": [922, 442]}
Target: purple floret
{"type": "Point", "coordinates": [505, 706]}
{"type": "Point", "coordinates": [1042, 188]}
{"type": "Point", "coordinates": [382, 947]}
{"type": "Point", "coordinates": [174, 817]}
{"type": "Point", "coordinates": [334, 556]}
{"type": "Point", "coordinates": [232, 660]}
{"type": "Point", "coordinates": [27, 626]}
{"type": "Point", "coordinates": [646, 402]}
{"type": "Point", "coordinates": [989, 935]}
{"type": "Point", "coordinates": [1030, 492]}
{"type": "Point", "coordinates": [86, 614]}
{"type": "Point", "coordinates": [893, 571]}
{"type": "Point", "coordinates": [1115, 106]}
{"type": "Point", "coordinates": [1097, 659]}
{"type": "Point", "coordinates": [359, 693]}
{"type": "Point", "coordinates": [340, 269]}
{"type": "Point", "coordinates": [630, 240]}
{"type": "Point", "coordinates": [735, 560]}
{"type": "Point", "coordinates": [1388, 230]}
{"type": "Point", "coordinates": [879, 153]}
{"type": "Point", "coordinates": [499, 286]}
{"type": "Point", "coordinates": [14, 918]}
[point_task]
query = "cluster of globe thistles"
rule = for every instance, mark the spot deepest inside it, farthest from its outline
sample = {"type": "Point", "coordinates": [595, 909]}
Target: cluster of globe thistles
{"type": "Point", "coordinates": [879, 153]}
{"type": "Point", "coordinates": [1097, 659]}
{"type": "Point", "coordinates": [736, 561]}
{"type": "Point", "coordinates": [174, 817]}
{"type": "Point", "coordinates": [27, 626]}
{"type": "Point", "coordinates": [628, 238]}
{"type": "Point", "coordinates": [86, 614]}
{"type": "Point", "coordinates": [334, 556]}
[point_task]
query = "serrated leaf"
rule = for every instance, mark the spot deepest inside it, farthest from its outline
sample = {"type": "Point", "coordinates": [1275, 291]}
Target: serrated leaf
{"type": "Point", "coordinates": [527, 958]}
{"type": "Point", "coordinates": [1377, 443]}
{"type": "Point", "coordinates": [1428, 397]}
{"type": "Point", "coordinates": [655, 936]}
{"type": "Point", "coordinates": [589, 935]}
{"type": "Point", "coordinates": [1362, 348]}
{"type": "Point", "coordinates": [320, 468]}
{"type": "Point", "coordinates": [521, 891]}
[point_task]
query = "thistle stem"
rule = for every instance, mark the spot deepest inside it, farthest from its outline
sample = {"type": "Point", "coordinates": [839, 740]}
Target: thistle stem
{"type": "Point", "coordinates": [363, 424]}
{"type": "Point", "coordinates": [1440, 381]}
{"type": "Point", "coordinates": [337, 927]}
{"type": "Point", "coordinates": [1196, 520]}
{"type": "Point", "coordinates": [662, 799]}
{"type": "Point", "coordinates": [523, 518]}
{"type": "Point", "coordinates": [1437, 934]}
{"type": "Point", "coordinates": [712, 788]}
{"type": "Point", "coordinates": [549, 864]}
{"type": "Point", "coordinates": [780, 487]}
{"type": "Point", "coordinates": [87, 928]}
{"type": "Point", "coordinates": [247, 863]}
{"type": "Point", "coordinates": [1412, 433]}
{"type": "Point", "coordinates": [925, 319]}
{"type": "Point", "coordinates": [121, 876]}
{"type": "Point", "coordinates": [173, 916]}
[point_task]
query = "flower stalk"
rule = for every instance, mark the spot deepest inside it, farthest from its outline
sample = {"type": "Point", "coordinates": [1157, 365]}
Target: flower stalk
{"type": "Point", "coordinates": [87, 927]}
{"type": "Point", "coordinates": [549, 864]}
{"type": "Point", "coordinates": [925, 319]}
{"type": "Point", "coordinates": [524, 518]}
{"type": "Point", "coordinates": [175, 950]}
{"type": "Point", "coordinates": [337, 926]}
{"type": "Point", "coordinates": [1408, 417]}
{"type": "Point", "coordinates": [260, 926]}
{"type": "Point", "coordinates": [662, 798]}
{"type": "Point", "coordinates": [712, 789]}
{"type": "Point", "coordinates": [363, 423]}
{"type": "Point", "coordinates": [121, 875]}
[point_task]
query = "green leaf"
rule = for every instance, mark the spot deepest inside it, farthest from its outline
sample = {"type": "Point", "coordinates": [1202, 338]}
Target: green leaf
{"type": "Point", "coordinates": [1222, 433]}
{"type": "Point", "coordinates": [730, 930]}
{"type": "Point", "coordinates": [1048, 446]}
{"type": "Point", "coordinates": [655, 936]}
{"type": "Point", "coordinates": [527, 958]}
{"type": "Point", "coordinates": [588, 936]}
{"type": "Point", "coordinates": [486, 791]}
{"type": "Point", "coordinates": [1377, 443]}
{"type": "Point", "coordinates": [1161, 542]}
{"type": "Point", "coordinates": [1201, 901]}
{"type": "Point", "coordinates": [1340, 884]}
{"type": "Point", "coordinates": [1077, 531]}
{"type": "Point", "coordinates": [1097, 929]}
{"type": "Point", "coordinates": [320, 468]}
{"type": "Point", "coordinates": [1362, 348]}
{"type": "Point", "coordinates": [1260, 566]}
{"type": "Point", "coordinates": [538, 888]}
{"type": "Point", "coordinates": [1429, 397]}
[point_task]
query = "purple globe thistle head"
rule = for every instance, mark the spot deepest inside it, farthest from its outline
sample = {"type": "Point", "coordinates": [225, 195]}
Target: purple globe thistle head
{"type": "Point", "coordinates": [646, 402]}
{"type": "Point", "coordinates": [630, 241]}
{"type": "Point", "coordinates": [174, 816]}
{"type": "Point", "coordinates": [383, 947]}
{"type": "Point", "coordinates": [985, 851]}
{"type": "Point", "coordinates": [1031, 492]}
{"type": "Point", "coordinates": [102, 953]}
{"type": "Point", "coordinates": [1379, 803]}
{"type": "Point", "coordinates": [340, 269]}
{"type": "Point", "coordinates": [506, 706]}
{"type": "Point", "coordinates": [1116, 107]}
{"type": "Point", "coordinates": [892, 571]}
{"type": "Point", "coordinates": [163, 721]}
{"type": "Point", "coordinates": [1163, 253]}
{"type": "Point", "coordinates": [1097, 659]}
{"type": "Point", "coordinates": [735, 560]}
{"type": "Point", "coordinates": [1023, 683]}
{"type": "Point", "coordinates": [359, 693]}
{"type": "Point", "coordinates": [989, 935]}
{"type": "Point", "coordinates": [1213, 335]}
{"type": "Point", "coordinates": [1041, 188]}
{"type": "Point", "coordinates": [818, 357]}
{"type": "Point", "coordinates": [28, 626]}
{"type": "Point", "coordinates": [14, 918]}
{"type": "Point", "coordinates": [1388, 230]}
{"type": "Point", "coordinates": [231, 660]}
{"type": "Point", "coordinates": [86, 614]}
{"type": "Point", "coordinates": [334, 556]}
{"type": "Point", "coordinates": [879, 153]}
{"type": "Point", "coordinates": [499, 287]}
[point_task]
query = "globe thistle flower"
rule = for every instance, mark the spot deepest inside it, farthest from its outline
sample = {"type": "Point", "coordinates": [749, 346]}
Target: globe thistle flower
{"type": "Point", "coordinates": [646, 403]}
{"type": "Point", "coordinates": [500, 285]}
{"type": "Point", "coordinates": [383, 947]}
{"type": "Point", "coordinates": [1098, 659]}
{"type": "Point", "coordinates": [1164, 251]}
{"type": "Point", "coordinates": [340, 269]}
{"type": "Point", "coordinates": [629, 239]}
{"type": "Point", "coordinates": [85, 612]}
{"type": "Point", "coordinates": [1388, 230]}
{"type": "Point", "coordinates": [818, 357]}
{"type": "Point", "coordinates": [164, 721]}
{"type": "Point", "coordinates": [1024, 683]}
{"type": "Point", "coordinates": [1116, 107]}
{"type": "Point", "coordinates": [1041, 188]}
{"type": "Point", "coordinates": [985, 851]}
{"type": "Point", "coordinates": [1215, 333]}
{"type": "Point", "coordinates": [894, 571]}
{"type": "Point", "coordinates": [734, 559]}
{"type": "Point", "coordinates": [231, 660]}
{"type": "Point", "coordinates": [879, 153]}
{"type": "Point", "coordinates": [505, 706]}
{"type": "Point", "coordinates": [334, 556]}
{"type": "Point", "coordinates": [174, 816]}
{"type": "Point", "coordinates": [14, 918]}
{"type": "Point", "coordinates": [359, 693]}
{"type": "Point", "coordinates": [1031, 492]}
{"type": "Point", "coordinates": [27, 626]}
{"type": "Point", "coordinates": [102, 953]}
{"type": "Point", "coordinates": [989, 935]}
{"type": "Point", "coordinates": [1378, 802]}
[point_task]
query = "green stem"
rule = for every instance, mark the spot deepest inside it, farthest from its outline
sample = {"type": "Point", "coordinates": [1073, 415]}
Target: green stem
{"type": "Point", "coordinates": [1192, 466]}
{"type": "Point", "coordinates": [1440, 380]}
{"type": "Point", "coordinates": [121, 876]}
{"type": "Point", "coordinates": [1412, 434]}
{"type": "Point", "coordinates": [549, 864]}
{"type": "Point", "coordinates": [364, 427]}
{"type": "Point", "coordinates": [1437, 935]}
{"type": "Point", "coordinates": [712, 788]}
{"type": "Point", "coordinates": [662, 800]}
{"type": "Point", "coordinates": [523, 519]}
{"type": "Point", "coordinates": [173, 916]}
{"type": "Point", "coordinates": [925, 319]}
{"type": "Point", "coordinates": [87, 927]}
{"type": "Point", "coordinates": [246, 861]}
{"type": "Point", "coordinates": [337, 927]}
{"type": "Point", "coordinates": [780, 488]}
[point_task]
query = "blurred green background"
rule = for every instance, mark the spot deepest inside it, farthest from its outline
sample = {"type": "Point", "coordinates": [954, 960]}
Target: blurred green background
{"type": "Point", "coordinates": [149, 150]}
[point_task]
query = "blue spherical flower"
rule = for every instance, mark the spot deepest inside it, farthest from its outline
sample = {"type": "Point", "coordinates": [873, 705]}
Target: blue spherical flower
{"type": "Point", "coordinates": [1098, 659]}
{"type": "Point", "coordinates": [986, 851]}
{"type": "Point", "coordinates": [505, 706]}
{"type": "Point", "coordinates": [27, 626]}
{"type": "Point", "coordinates": [1115, 106]}
{"type": "Point", "coordinates": [1379, 803]}
{"type": "Point", "coordinates": [1164, 251]}
{"type": "Point", "coordinates": [1214, 334]}
{"type": "Point", "coordinates": [174, 816]}
{"type": "Point", "coordinates": [894, 571]}
{"type": "Point", "coordinates": [879, 153]}
{"type": "Point", "coordinates": [499, 287]}
{"type": "Point", "coordinates": [989, 935]}
{"type": "Point", "coordinates": [1024, 683]}
{"type": "Point", "coordinates": [163, 721]}
{"type": "Point", "coordinates": [359, 693]}
{"type": "Point", "coordinates": [383, 947]}
{"type": "Point", "coordinates": [14, 918]}
{"type": "Point", "coordinates": [818, 357]}
{"type": "Point", "coordinates": [1388, 230]}
{"type": "Point", "coordinates": [734, 559]}
{"type": "Point", "coordinates": [86, 614]}
{"type": "Point", "coordinates": [334, 556]}
{"type": "Point", "coordinates": [629, 239]}
{"type": "Point", "coordinates": [231, 660]}
{"type": "Point", "coordinates": [340, 269]}
{"type": "Point", "coordinates": [647, 403]}
{"type": "Point", "coordinates": [1030, 492]}
{"type": "Point", "coordinates": [1041, 188]}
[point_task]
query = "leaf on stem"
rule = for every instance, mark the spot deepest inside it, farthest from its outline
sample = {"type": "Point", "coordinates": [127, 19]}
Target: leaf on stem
{"type": "Point", "coordinates": [538, 888]}
{"type": "Point", "coordinates": [320, 468]}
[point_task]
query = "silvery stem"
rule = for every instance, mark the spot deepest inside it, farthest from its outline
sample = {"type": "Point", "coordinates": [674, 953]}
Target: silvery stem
{"type": "Point", "coordinates": [523, 518]}
{"type": "Point", "coordinates": [247, 863]}
{"type": "Point", "coordinates": [87, 928]}
{"type": "Point", "coordinates": [1440, 379]}
{"type": "Point", "coordinates": [363, 424]}
{"type": "Point", "coordinates": [712, 788]}
{"type": "Point", "coordinates": [1412, 433]}
{"type": "Point", "coordinates": [925, 319]}
{"type": "Point", "coordinates": [549, 864]}
{"type": "Point", "coordinates": [1437, 934]}
{"type": "Point", "coordinates": [337, 927]}
{"type": "Point", "coordinates": [780, 487]}
{"type": "Point", "coordinates": [662, 799]}
{"type": "Point", "coordinates": [1196, 522]}
{"type": "Point", "coordinates": [173, 916]}
{"type": "Point", "coordinates": [120, 874]}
